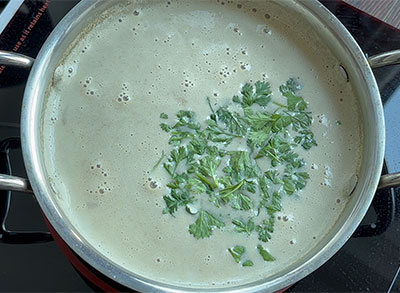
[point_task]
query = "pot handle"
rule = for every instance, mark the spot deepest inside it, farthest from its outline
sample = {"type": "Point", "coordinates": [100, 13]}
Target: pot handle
{"type": "Point", "coordinates": [385, 59]}
{"type": "Point", "coordinates": [14, 183]}
{"type": "Point", "coordinates": [377, 61]}
{"type": "Point", "coordinates": [14, 59]}
{"type": "Point", "coordinates": [389, 180]}
{"type": "Point", "coordinates": [8, 182]}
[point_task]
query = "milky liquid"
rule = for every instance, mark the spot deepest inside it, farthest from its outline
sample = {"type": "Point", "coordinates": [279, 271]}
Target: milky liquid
{"type": "Point", "coordinates": [102, 135]}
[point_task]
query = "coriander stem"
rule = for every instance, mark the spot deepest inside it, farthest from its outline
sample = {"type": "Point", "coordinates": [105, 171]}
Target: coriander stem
{"type": "Point", "coordinates": [209, 104]}
{"type": "Point", "coordinates": [213, 185]}
{"type": "Point", "coordinates": [279, 104]}
{"type": "Point", "coordinates": [232, 190]}
{"type": "Point", "coordinates": [158, 162]}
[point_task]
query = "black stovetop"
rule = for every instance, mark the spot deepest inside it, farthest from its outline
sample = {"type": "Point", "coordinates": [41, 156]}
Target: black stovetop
{"type": "Point", "coordinates": [369, 261]}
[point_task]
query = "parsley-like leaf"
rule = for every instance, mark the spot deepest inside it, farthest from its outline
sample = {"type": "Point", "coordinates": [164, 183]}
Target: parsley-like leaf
{"type": "Point", "coordinates": [175, 158]}
{"type": "Point", "coordinates": [265, 254]}
{"type": "Point", "coordinates": [242, 202]}
{"type": "Point", "coordinates": [242, 227]}
{"type": "Point", "coordinates": [207, 168]}
{"type": "Point", "coordinates": [248, 263]}
{"type": "Point", "coordinates": [259, 94]}
{"type": "Point", "coordinates": [306, 139]}
{"type": "Point", "coordinates": [196, 186]}
{"type": "Point", "coordinates": [233, 121]}
{"type": "Point", "coordinates": [227, 194]}
{"type": "Point", "coordinates": [263, 93]}
{"type": "Point", "coordinates": [294, 102]}
{"type": "Point", "coordinates": [165, 127]}
{"type": "Point", "coordinates": [177, 198]}
{"type": "Point", "coordinates": [273, 207]}
{"type": "Point", "coordinates": [204, 225]}
{"type": "Point", "coordinates": [194, 163]}
{"type": "Point", "coordinates": [242, 165]}
{"type": "Point", "coordinates": [265, 229]}
{"type": "Point", "coordinates": [237, 252]}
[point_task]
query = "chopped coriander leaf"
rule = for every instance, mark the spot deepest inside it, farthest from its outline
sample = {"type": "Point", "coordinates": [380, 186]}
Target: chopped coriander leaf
{"type": "Point", "coordinates": [280, 122]}
{"type": "Point", "coordinates": [175, 158]}
{"type": "Point", "coordinates": [265, 254]}
{"type": "Point", "coordinates": [242, 227]}
{"type": "Point", "coordinates": [264, 190]}
{"type": "Point", "coordinates": [197, 146]}
{"type": "Point", "coordinates": [178, 136]}
{"type": "Point", "coordinates": [259, 94]}
{"type": "Point", "coordinates": [175, 199]}
{"type": "Point", "coordinates": [273, 176]}
{"type": "Point", "coordinates": [259, 120]}
{"type": "Point", "coordinates": [248, 263]}
{"type": "Point", "coordinates": [236, 99]}
{"type": "Point", "coordinates": [250, 186]}
{"type": "Point", "coordinates": [227, 194]}
{"type": "Point", "coordinates": [204, 225]}
{"type": "Point", "coordinates": [233, 121]}
{"type": "Point", "coordinates": [205, 167]}
{"type": "Point", "coordinates": [294, 182]}
{"type": "Point", "coordinates": [262, 93]}
{"type": "Point", "coordinates": [306, 139]}
{"type": "Point", "coordinates": [265, 229]}
{"type": "Point", "coordinates": [196, 186]}
{"type": "Point", "coordinates": [273, 207]}
{"type": "Point", "coordinates": [214, 200]}
{"type": "Point", "coordinates": [301, 120]}
{"type": "Point", "coordinates": [294, 102]}
{"type": "Point", "coordinates": [217, 134]}
{"type": "Point", "coordinates": [242, 202]}
{"type": "Point", "coordinates": [186, 121]}
{"type": "Point", "coordinates": [247, 95]}
{"type": "Point", "coordinates": [237, 252]}
{"type": "Point", "coordinates": [289, 185]}
{"type": "Point", "coordinates": [242, 165]}
{"type": "Point", "coordinates": [165, 127]}
{"type": "Point", "coordinates": [257, 138]}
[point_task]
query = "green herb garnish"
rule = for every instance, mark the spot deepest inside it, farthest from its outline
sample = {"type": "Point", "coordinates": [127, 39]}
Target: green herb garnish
{"type": "Point", "coordinates": [163, 116]}
{"type": "Point", "coordinates": [204, 225]}
{"type": "Point", "coordinates": [248, 263]}
{"type": "Point", "coordinates": [159, 161]}
{"type": "Point", "coordinates": [211, 180]}
{"type": "Point", "coordinates": [237, 252]}
{"type": "Point", "coordinates": [265, 254]}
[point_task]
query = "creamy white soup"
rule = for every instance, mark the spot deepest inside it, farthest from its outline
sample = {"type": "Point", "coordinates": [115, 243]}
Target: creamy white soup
{"type": "Point", "coordinates": [102, 135]}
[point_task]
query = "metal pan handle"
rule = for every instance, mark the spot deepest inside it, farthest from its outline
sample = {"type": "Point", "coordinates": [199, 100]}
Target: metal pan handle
{"type": "Point", "coordinates": [14, 59]}
{"type": "Point", "coordinates": [389, 180]}
{"type": "Point", "coordinates": [377, 61]}
{"type": "Point", "coordinates": [385, 59]}
{"type": "Point", "coordinates": [8, 182]}
{"type": "Point", "coordinates": [14, 183]}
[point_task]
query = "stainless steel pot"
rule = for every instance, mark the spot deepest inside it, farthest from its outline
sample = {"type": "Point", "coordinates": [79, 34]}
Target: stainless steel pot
{"type": "Point", "coordinates": [341, 43]}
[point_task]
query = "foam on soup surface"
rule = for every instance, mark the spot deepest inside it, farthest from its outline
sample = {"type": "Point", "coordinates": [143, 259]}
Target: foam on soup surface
{"type": "Point", "coordinates": [102, 133]}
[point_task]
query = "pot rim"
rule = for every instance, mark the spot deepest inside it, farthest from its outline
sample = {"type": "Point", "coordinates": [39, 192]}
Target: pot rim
{"type": "Point", "coordinates": [31, 146]}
